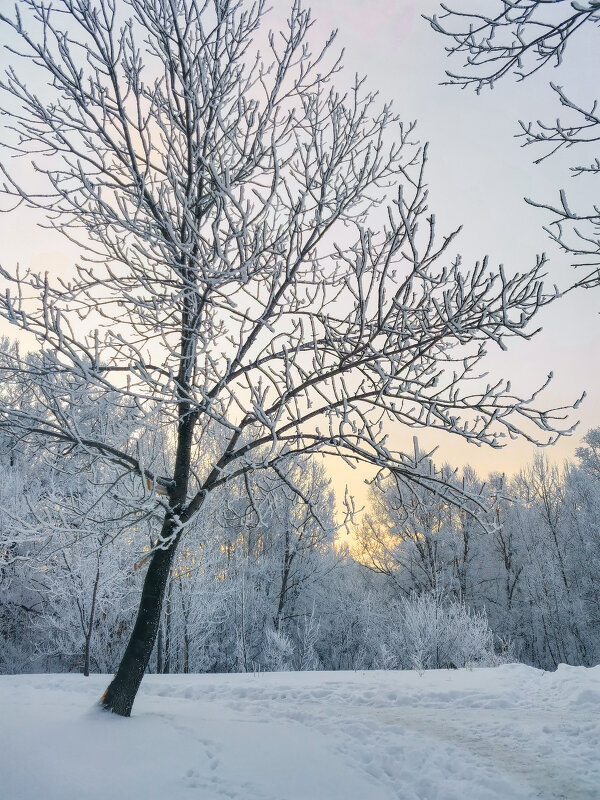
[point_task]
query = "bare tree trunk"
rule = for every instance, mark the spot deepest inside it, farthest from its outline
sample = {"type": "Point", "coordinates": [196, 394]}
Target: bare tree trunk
{"type": "Point", "coordinates": [86, 658]}
{"type": "Point", "coordinates": [88, 634]}
{"type": "Point", "coordinates": [185, 616]}
{"type": "Point", "coordinates": [168, 631]}
{"type": "Point", "coordinates": [186, 652]}
{"type": "Point", "coordinates": [159, 650]}
{"type": "Point", "coordinates": [123, 688]}
{"type": "Point", "coordinates": [244, 654]}
{"type": "Point", "coordinates": [285, 574]}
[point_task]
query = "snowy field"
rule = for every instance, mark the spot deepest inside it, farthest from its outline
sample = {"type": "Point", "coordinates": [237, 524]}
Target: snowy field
{"type": "Point", "coordinates": [488, 734]}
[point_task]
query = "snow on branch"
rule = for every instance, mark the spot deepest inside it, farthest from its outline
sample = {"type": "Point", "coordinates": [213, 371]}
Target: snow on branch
{"type": "Point", "coordinates": [258, 255]}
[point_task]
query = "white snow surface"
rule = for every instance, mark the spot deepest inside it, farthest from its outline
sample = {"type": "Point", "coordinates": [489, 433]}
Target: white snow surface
{"type": "Point", "coordinates": [505, 733]}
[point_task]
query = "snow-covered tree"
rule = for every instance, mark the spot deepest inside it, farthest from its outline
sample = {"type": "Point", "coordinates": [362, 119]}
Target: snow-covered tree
{"type": "Point", "coordinates": [260, 269]}
{"type": "Point", "coordinates": [424, 543]}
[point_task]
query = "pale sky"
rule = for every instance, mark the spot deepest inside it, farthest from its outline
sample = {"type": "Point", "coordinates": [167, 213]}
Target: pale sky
{"type": "Point", "coordinates": [478, 175]}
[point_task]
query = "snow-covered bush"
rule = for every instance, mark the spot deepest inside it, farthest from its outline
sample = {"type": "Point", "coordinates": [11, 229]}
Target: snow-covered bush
{"type": "Point", "coordinates": [278, 651]}
{"type": "Point", "coordinates": [308, 637]}
{"type": "Point", "coordinates": [435, 634]}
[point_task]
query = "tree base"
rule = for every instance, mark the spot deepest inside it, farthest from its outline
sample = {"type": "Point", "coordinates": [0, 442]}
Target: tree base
{"type": "Point", "coordinates": [119, 702]}
{"type": "Point", "coordinates": [123, 688]}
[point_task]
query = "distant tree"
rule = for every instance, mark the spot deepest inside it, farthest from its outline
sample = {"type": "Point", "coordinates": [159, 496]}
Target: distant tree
{"type": "Point", "coordinates": [82, 579]}
{"type": "Point", "coordinates": [65, 516]}
{"type": "Point", "coordinates": [520, 38]}
{"type": "Point", "coordinates": [260, 265]}
{"type": "Point", "coordinates": [425, 545]}
{"type": "Point", "coordinates": [256, 559]}
{"type": "Point", "coordinates": [589, 454]}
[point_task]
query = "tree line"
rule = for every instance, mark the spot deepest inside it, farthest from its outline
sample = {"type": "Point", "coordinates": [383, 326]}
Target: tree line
{"type": "Point", "coordinates": [269, 578]}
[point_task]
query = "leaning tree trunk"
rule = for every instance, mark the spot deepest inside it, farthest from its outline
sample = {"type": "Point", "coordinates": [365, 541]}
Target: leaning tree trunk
{"type": "Point", "coordinates": [123, 688]}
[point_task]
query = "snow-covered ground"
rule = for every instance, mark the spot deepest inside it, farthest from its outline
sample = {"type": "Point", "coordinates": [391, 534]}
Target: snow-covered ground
{"type": "Point", "coordinates": [488, 734]}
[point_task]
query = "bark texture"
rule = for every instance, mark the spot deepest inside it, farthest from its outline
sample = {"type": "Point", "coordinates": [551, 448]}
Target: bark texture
{"type": "Point", "coordinates": [122, 690]}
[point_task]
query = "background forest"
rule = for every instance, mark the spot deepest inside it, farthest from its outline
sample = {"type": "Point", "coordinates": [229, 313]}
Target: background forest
{"type": "Point", "coordinates": [270, 580]}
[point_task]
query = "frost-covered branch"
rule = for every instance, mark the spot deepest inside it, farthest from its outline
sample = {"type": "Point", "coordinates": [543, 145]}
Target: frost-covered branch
{"type": "Point", "coordinates": [522, 37]}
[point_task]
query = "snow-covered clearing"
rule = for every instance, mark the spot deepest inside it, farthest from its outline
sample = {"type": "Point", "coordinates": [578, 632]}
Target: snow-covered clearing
{"type": "Point", "coordinates": [506, 733]}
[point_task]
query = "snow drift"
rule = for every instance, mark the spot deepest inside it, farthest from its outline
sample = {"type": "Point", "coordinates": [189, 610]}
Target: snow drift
{"type": "Point", "coordinates": [505, 733]}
